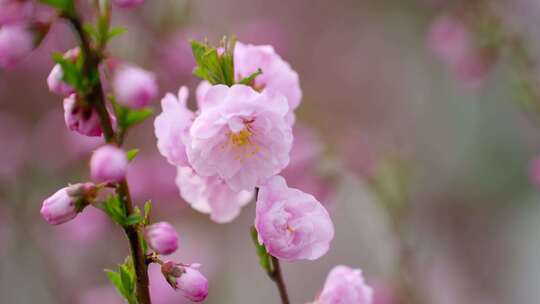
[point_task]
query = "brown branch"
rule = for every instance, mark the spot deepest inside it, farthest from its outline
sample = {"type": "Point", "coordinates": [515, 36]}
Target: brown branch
{"type": "Point", "coordinates": [277, 277]}
{"type": "Point", "coordinates": [96, 98]}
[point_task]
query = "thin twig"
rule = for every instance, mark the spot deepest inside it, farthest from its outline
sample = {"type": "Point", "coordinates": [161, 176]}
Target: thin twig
{"type": "Point", "coordinates": [277, 277]}
{"type": "Point", "coordinates": [96, 99]}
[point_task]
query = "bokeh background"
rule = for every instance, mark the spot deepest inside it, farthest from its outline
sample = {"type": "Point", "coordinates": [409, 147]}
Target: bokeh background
{"type": "Point", "coordinates": [419, 118]}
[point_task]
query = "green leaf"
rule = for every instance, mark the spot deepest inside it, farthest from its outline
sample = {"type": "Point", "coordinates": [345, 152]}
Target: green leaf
{"type": "Point", "coordinates": [251, 78]}
{"type": "Point", "coordinates": [115, 209]}
{"type": "Point", "coordinates": [124, 280]}
{"type": "Point", "coordinates": [115, 32]}
{"type": "Point", "coordinates": [137, 116]}
{"type": "Point", "coordinates": [264, 257]}
{"type": "Point", "coordinates": [63, 5]}
{"type": "Point", "coordinates": [213, 67]}
{"type": "Point", "coordinates": [72, 74]}
{"type": "Point", "coordinates": [91, 30]}
{"type": "Point", "coordinates": [147, 211]}
{"type": "Point", "coordinates": [131, 154]}
{"type": "Point", "coordinates": [133, 219]}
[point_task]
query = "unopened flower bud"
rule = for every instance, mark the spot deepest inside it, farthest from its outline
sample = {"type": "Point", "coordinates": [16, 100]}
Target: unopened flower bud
{"type": "Point", "coordinates": [108, 164]}
{"type": "Point", "coordinates": [134, 87]}
{"type": "Point", "coordinates": [16, 41]}
{"type": "Point", "coordinates": [64, 205]}
{"type": "Point", "coordinates": [54, 80]}
{"type": "Point", "coordinates": [187, 279]}
{"type": "Point", "coordinates": [81, 118]}
{"type": "Point", "coordinates": [162, 238]}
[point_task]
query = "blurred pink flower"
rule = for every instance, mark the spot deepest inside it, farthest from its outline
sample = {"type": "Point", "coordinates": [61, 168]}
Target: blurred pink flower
{"type": "Point", "coordinates": [108, 164]}
{"type": "Point", "coordinates": [241, 136]}
{"type": "Point", "coordinates": [54, 80]}
{"type": "Point", "coordinates": [384, 294]}
{"type": "Point", "coordinates": [292, 224]}
{"type": "Point", "coordinates": [134, 87]}
{"type": "Point", "coordinates": [102, 295]}
{"type": "Point", "coordinates": [449, 39]}
{"type": "Point", "coordinates": [162, 238]}
{"type": "Point", "coordinates": [15, 11]}
{"type": "Point", "coordinates": [211, 195]}
{"type": "Point", "coordinates": [277, 74]}
{"type": "Point", "coordinates": [172, 127]}
{"type": "Point", "coordinates": [345, 285]}
{"type": "Point", "coordinates": [128, 3]}
{"type": "Point", "coordinates": [14, 138]}
{"type": "Point", "coordinates": [84, 120]}
{"type": "Point", "coordinates": [16, 42]}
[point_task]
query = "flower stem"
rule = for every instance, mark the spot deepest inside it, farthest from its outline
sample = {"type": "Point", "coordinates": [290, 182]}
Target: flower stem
{"type": "Point", "coordinates": [96, 99]}
{"type": "Point", "coordinates": [277, 277]}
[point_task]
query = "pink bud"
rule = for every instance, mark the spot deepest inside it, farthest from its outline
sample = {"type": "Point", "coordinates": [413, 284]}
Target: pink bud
{"type": "Point", "coordinates": [345, 285]}
{"type": "Point", "coordinates": [162, 238]}
{"type": "Point", "coordinates": [55, 82]}
{"type": "Point", "coordinates": [108, 164]}
{"type": "Point", "coordinates": [128, 3]}
{"type": "Point", "coordinates": [186, 278]}
{"type": "Point", "coordinates": [80, 118]}
{"type": "Point", "coordinates": [16, 41]}
{"type": "Point", "coordinates": [134, 87]}
{"type": "Point", "coordinates": [67, 202]}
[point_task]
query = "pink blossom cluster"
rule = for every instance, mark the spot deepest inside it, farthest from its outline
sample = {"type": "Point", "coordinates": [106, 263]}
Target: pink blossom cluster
{"type": "Point", "coordinates": [453, 43]}
{"type": "Point", "coordinates": [238, 140]}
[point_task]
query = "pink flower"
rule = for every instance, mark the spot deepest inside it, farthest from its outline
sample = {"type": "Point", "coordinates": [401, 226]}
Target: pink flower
{"type": "Point", "coordinates": [134, 87]}
{"type": "Point", "coordinates": [108, 164]}
{"type": "Point", "coordinates": [241, 136]}
{"type": "Point", "coordinates": [64, 205]}
{"type": "Point", "coordinates": [162, 238]}
{"type": "Point", "coordinates": [172, 127]}
{"type": "Point", "coordinates": [292, 224]}
{"type": "Point", "coordinates": [186, 278]}
{"type": "Point", "coordinates": [345, 285]}
{"type": "Point", "coordinates": [128, 3]}
{"type": "Point", "coordinates": [54, 80]}
{"type": "Point", "coordinates": [84, 120]}
{"type": "Point", "coordinates": [16, 41]}
{"type": "Point", "coordinates": [211, 195]}
{"type": "Point", "coordinates": [449, 39]}
{"type": "Point", "coordinates": [277, 74]}
{"type": "Point", "coordinates": [15, 11]}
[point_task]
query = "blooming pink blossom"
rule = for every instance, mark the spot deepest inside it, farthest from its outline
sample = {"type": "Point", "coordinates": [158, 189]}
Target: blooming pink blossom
{"type": "Point", "coordinates": [16, 41]}
{"type": "Point", "coordinates": [277, 74]}
{"type": "Point", "coordinates": [108, 164]}
{"type": "Point", "coordinates": [241, 136]}
{"type": "Point", "coordinates": [134, 87]}
{"type": "Point", "coordinates": [211, 195]}
{"type": "Point", "coordinates": [292, 224]}
{"type": "Point", "coordinates": [172, 127]}
{"type": "Point", "coordinates": [128, 3]}
{"type": "Point", "coordinates": [54, 80]}
{"type": "Point", "coordinates": [84, 120]}
{"type": "Point", "coordinates": [15, 11]}
{"type": "Point", "coordinates": [345, 285]}
{"type": "Point", "coordinates": [64, 205]}
{"type": "Point", "coordinates": [162, 237]}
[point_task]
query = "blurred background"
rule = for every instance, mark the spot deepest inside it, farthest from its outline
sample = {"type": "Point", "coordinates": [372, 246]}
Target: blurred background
{"type": "Point", "coordinates": [418, 130]}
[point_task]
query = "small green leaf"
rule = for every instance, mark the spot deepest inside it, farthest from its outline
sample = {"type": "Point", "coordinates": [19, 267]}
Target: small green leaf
{"type": "Point", "coordinates": [116, 31]}
{"type": "Point", "coordinates": [133, 219]}
{"type": "Point", "coordinates": [71, 72]}
{"type": "Point", "coordinates": [251, 78]}
{"type": "Point", "coordinates": [63, 5]}
{"type": "Point", "coordinates": [213, 66]}
{"type": "Point", "coordinates": [147, 211]}
{"type": "Point", "coordinates": [131, 154]}
{"type": "Point", "coordinates": [137, 116]}
{"type": "Point", "coordinates": [91, 30]}
{"type": "Point", "coordinates": [264, 257]}
{"type": "Point", "coordinates": [116, 280]}
{"type": "Point", "coordinates": [124, 280]}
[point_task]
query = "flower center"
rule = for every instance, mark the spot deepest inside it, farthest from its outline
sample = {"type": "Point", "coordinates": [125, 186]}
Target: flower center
{"type": "Point", "coordinates": [241, 138]}
{"type": "Point", "coordinates": [243, 142]}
